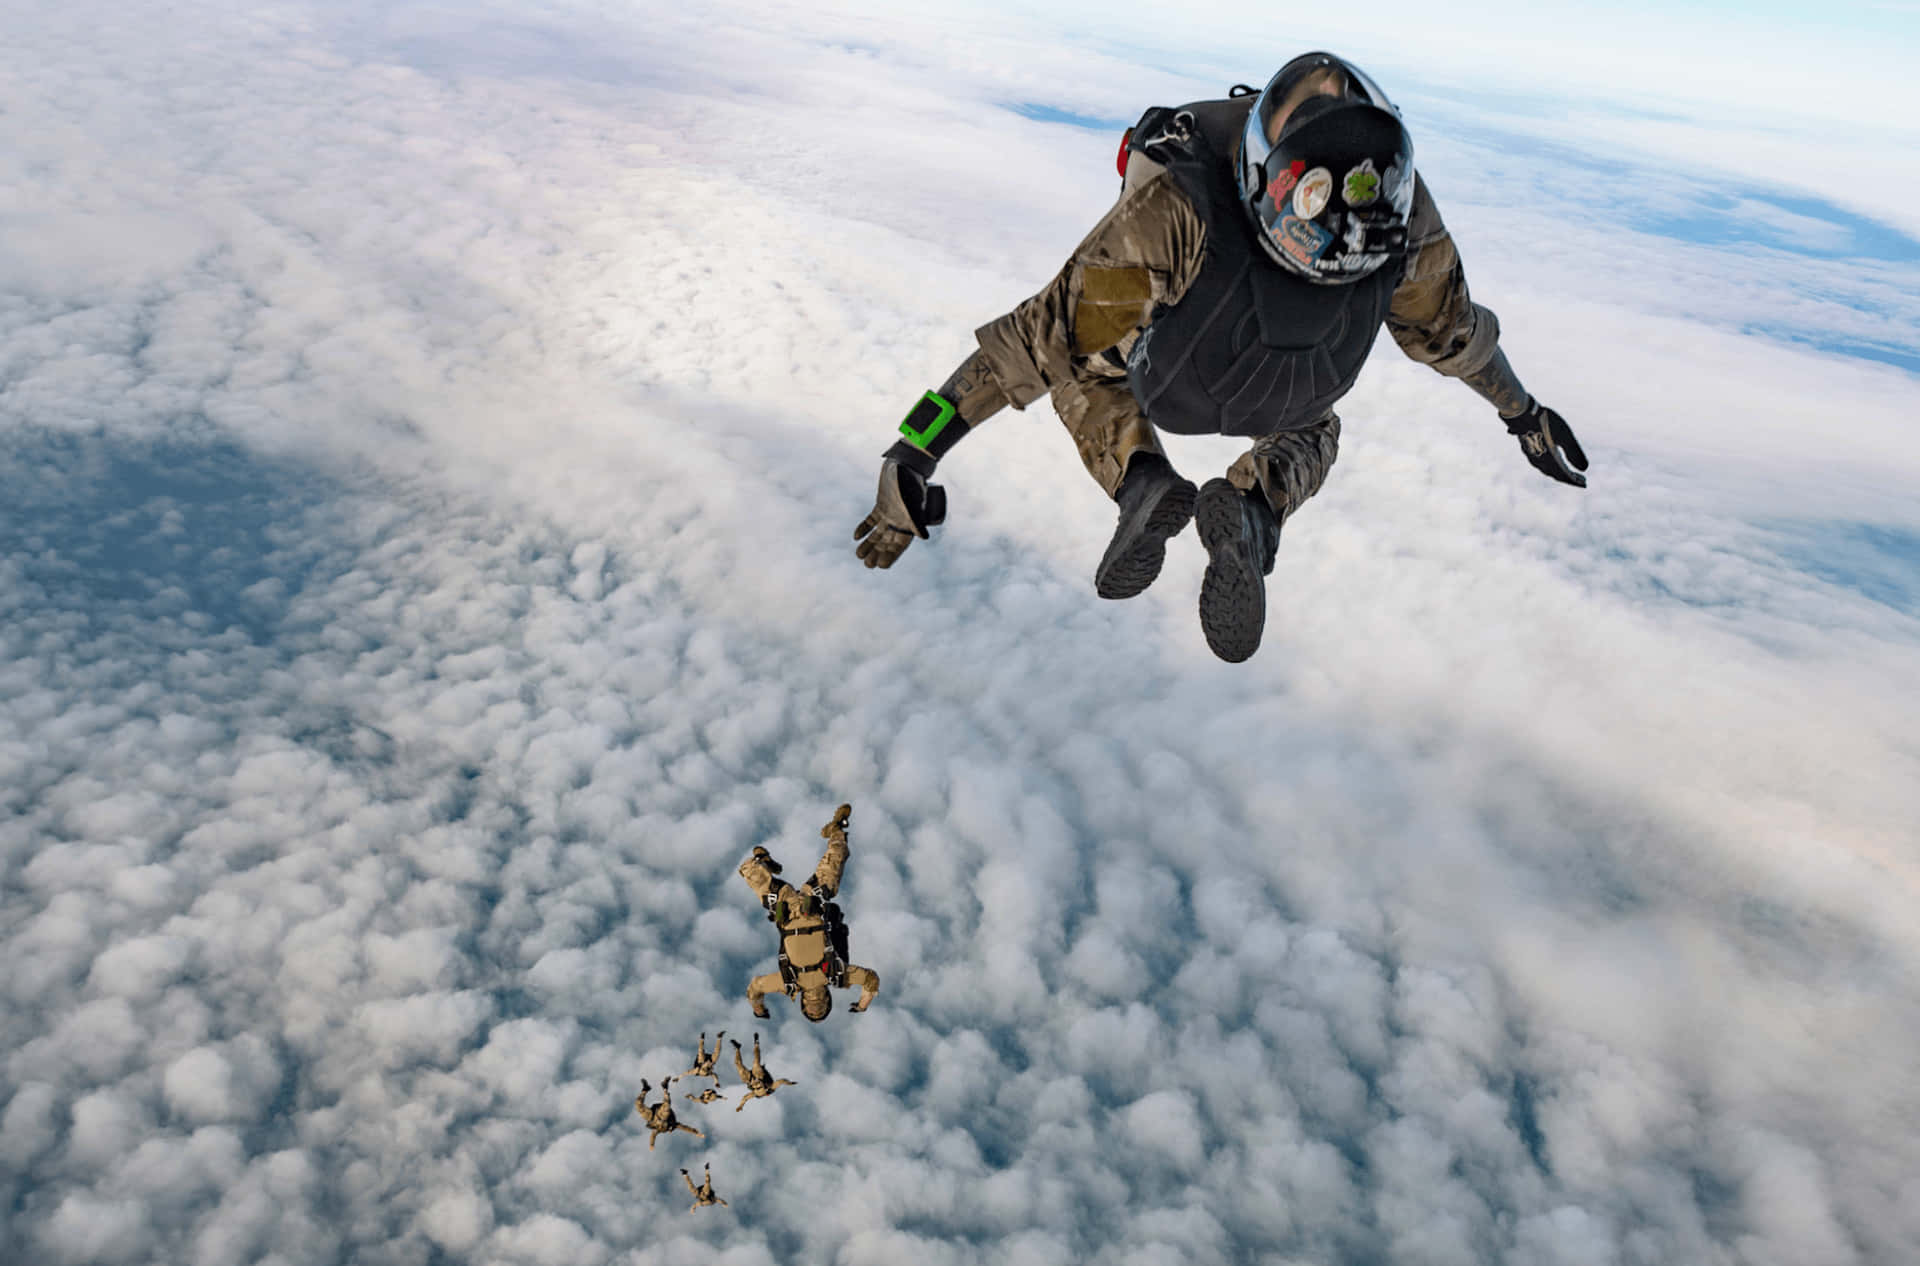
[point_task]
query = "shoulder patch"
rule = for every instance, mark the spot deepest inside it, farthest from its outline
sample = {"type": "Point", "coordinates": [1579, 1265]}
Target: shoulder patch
{"type": "Point", "coordinates": [1114, 301]}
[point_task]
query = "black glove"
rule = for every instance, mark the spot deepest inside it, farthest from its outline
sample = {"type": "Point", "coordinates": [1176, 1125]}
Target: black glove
{"type": "Point", "coordinates": [905, 506]}
{"type": "Point", "coordinates": [1543, 434]}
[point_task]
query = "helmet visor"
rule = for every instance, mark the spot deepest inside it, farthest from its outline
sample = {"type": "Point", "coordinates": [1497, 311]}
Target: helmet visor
{"type": "Point", "coordinates": [1326, 170]}
{"type": "Point", "coordinates": [1299, 82]}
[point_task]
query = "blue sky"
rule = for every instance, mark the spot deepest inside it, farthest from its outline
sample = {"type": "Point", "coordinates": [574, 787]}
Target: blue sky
{"type": "Point", "coordinates": [433, 439]}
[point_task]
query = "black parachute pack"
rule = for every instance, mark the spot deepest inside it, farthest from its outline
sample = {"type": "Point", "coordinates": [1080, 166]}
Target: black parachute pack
{"type": "Point", "coordinates": [1251, 348]}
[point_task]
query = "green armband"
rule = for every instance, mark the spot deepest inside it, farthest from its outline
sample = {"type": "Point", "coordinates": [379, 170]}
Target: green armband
{"type": "Point", "coordinates": [933, 425]}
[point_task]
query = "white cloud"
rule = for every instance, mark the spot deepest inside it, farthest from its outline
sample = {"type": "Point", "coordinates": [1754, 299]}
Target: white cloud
{"type": "Point", "coordinates": [432, 439]}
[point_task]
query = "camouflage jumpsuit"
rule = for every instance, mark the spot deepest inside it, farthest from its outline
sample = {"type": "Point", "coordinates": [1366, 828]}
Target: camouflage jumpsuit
{"type": "Point", "coordinates": [784, 897]}
{"type": "Point", "coordinates": [659, 1116]}
{"type": "Point", "coordinates": [1143, 255]}
{"type": "Point", "coordinates": [703, 1194]}
{"type": "Point", "coordinates": [703, 1061]}
{"type": "Point", "coordinates": [759, 1082]}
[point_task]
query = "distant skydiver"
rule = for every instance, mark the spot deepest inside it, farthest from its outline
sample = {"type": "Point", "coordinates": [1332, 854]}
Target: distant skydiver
{"type": "Point", "coordinates": [659, 1116]}
{"type": "Point", "coordinates": [1259, 243]}
{"type": "Point", "coordinates": [703, 1062]}
{"type": "Point", "coordinates": [813, 935]}
{"type": "Point", "coordinates": [703, 1194]}
{"type": "Point", "coordinates": [711, 1092]}
{"type": "Point", "coordinates": [759, 1082]}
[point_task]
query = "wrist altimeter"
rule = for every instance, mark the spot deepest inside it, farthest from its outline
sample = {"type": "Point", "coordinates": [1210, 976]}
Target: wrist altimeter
{"type": "Point", "coordinates": [930, 428]}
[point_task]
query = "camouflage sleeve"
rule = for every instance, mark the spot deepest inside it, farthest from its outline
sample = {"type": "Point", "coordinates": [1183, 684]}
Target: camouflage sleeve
{"type": "Point", "coordinates": [1144, 252]}
{"type": "Point", "coordinates": [760, 986]}
{"type": "Point", "coordinates": [1436, 322]}
{"type": "Point", "coordinates": [869, 982]}
{"type": "Point", "coordinates": [973, 389]}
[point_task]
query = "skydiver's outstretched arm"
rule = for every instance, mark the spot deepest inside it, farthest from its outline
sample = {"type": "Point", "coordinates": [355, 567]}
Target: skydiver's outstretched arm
{"type": "Point", "coordinates": [682, 1125]}
{"type": "Point", "coordinates": [779, 1083]}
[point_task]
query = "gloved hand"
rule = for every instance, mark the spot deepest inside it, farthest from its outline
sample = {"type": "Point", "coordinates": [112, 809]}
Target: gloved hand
{"type": "Point", "coordinates": [1543, 434]}
{"type": "Point", "coordinates": [841, 817]}
{"type": "Point", "coordinates": [860, 1006]}
{"type": "Point", "coordinates": [759, 1009]}
{"type": "Point", "coordinates": [905, 506]}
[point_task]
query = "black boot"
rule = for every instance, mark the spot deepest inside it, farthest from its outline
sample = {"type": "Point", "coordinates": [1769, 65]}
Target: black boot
{"type": "Point", "coordinates": [1155, 504]}
{"type": "Point", "coordinates": [1241, 536]}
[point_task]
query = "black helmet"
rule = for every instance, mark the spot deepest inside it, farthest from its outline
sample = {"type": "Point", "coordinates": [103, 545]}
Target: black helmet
{"type": "Point", "coordinates": [1326, 171]}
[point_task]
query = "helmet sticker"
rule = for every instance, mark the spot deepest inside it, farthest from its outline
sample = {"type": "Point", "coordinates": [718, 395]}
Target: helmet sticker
{"type": "Point", "coordinates": [1311, 197]}
{"type": "Point", "coordinates": [1362, 185]}
{"type": "Point", "coordinates": [1283, 184]}
{"type": "Point", "coordinates": [1303, 240]}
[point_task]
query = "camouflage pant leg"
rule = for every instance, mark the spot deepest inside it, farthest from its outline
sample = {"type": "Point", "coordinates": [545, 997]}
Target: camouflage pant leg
{"type": "Point", "coordinates": [758, 877]}
{"type": "Point", "coordinates": [1104, 420]}
{"type": "Point", "coordinates": [826, 876]}
{"type": "Point", "coordinates": [1288, 466]}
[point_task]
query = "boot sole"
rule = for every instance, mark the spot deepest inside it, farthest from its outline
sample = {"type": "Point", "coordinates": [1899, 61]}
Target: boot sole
{"type": "Point", "coordinates": [1139, 546]}
{"type": "Point", "coordinates": [1233, 593]}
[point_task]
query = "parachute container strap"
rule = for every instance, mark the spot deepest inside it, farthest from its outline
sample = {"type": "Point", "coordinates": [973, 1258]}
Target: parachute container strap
{"type": "Point", "coordinates": [1162, 129]}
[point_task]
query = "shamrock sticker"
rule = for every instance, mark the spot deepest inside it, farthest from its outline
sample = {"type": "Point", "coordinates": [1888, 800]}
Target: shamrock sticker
{"type": "Point", "coordinates": [1362, 185]}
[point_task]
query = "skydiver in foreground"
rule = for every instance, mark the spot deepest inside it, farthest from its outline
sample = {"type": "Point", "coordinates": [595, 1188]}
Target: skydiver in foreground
{"type": "Point", "coordinates": [1259, 243]}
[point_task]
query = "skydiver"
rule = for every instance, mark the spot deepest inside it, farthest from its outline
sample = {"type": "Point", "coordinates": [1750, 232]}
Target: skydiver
{"type": "Point", "coordinates": [813, 935]}
{"type": "Point", "coordinates": [703, 1062]}
{"type": "Point", "coordinates": [1259, 243]}
{"type": "Point", "coordinates": [711, 1092]}
{"type": "Point", "coordinates": [703, 1194]}
{"type": "Point", "coordinates": [759, 1082]}
{"type": "Point", "coordinates": [659, 1116]}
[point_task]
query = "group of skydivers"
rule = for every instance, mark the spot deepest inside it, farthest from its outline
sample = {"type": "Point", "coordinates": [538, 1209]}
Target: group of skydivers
{"type": "Point", "coordinates": [660, 1116]}
{"type": "Point", "coordinates": [813, 961]}
{"type": "Point", "coordinates": [1259, 244]}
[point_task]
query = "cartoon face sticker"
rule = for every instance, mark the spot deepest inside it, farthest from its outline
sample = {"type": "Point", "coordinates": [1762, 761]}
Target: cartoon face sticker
{"type": "Point", "coordinates": [1310, 197]}
{"type": "Point", "coordinates": [1283, 184]}
{"type": "Point", "coordinates": [1303, 240]}
{"type": "Point", "coordinates": [1361, 188]}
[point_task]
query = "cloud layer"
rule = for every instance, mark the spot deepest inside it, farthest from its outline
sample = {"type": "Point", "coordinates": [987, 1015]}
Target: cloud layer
{"type": "Point", "coordinates": [432, 439]}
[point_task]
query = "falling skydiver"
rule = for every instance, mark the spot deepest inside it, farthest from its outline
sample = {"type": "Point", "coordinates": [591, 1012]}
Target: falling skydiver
{"type": "Point", "coordinates": [813, 934]}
